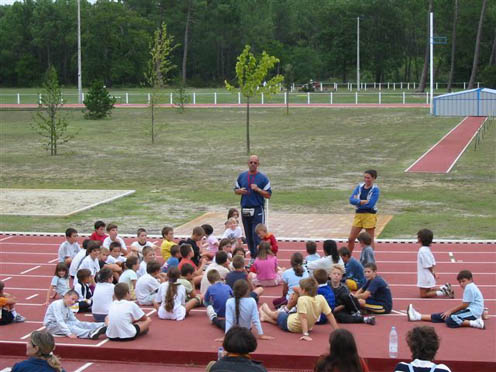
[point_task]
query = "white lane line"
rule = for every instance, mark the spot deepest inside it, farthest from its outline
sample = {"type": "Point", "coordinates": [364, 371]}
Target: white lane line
{"type": "Point", "coordinates": [83, 367]}
{"type": "Point", "coordinates": [32, 296]}
{"type": "Point", "coordinates": [150, 312]}
{"type": "Point", "coordinates": [7, 278]}
{"type": "Point", "coordinates": [31, 269]}
{"type": "Point", "coordinates": [398, 312]}
{"type": "Point", "coordinates": [6, 369]}
{"type": "Point", "coordinates": [102, 342]}
{"type": "Point", "coordinates": [29, 334]}
{"type": "Point", "coordinates": [452, 257]}
{"type": "Point", "coordinates": [8, 237]}
{"type": "Point", "coordinates": [52, 261]}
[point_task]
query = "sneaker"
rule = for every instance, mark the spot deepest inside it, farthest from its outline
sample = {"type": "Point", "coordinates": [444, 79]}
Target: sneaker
{"type": "Point", "coordinates": [477, 323]}
{"type": "Point", "coordinates": [413, 315]}
{"type": "Point", "coordinates": [451, 292]}
{"type": "Point", "coordinates": [19, 318]}
{"type": "Point", "coordinates": [369, 320]}
{"type": "Point", "coordinates": [97, 332]}
{"type": "Point", "coordinates": [211, 313]}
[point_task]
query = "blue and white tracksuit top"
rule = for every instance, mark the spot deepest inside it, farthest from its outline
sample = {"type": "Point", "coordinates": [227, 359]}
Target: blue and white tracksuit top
{"type": "Point", "coordinates": [371, 195]}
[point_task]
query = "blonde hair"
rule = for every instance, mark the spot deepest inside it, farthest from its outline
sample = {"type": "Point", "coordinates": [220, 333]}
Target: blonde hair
{"type": "Point", "coordinates": [104, 250]}
{"type": "Point", "coordinates": [338, 267]}
{"type": "Point", "coordinates": [46, 344]}
{"type": "Point", "coordinates": [260, 227]}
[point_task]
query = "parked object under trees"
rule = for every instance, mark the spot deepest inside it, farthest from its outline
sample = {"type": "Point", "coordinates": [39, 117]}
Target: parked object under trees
{"type": "Point", "coordinates": [98, 101]}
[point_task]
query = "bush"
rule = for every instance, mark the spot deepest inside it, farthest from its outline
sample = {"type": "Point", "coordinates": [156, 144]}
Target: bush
{"type": "Point", "coordinates": [98, 101]}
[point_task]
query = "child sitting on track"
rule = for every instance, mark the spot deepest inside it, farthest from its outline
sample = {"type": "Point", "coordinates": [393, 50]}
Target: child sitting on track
{"type": "Point", "coordinates": [173, 260]}
{"type": "Point", "coordinates": [129, 275]}
{"type": "Point", "coordinates": [142, 241]}
{"type": "Point", "coordinates": [238, 273]}
{"type": "Point", "coordinates": [76, 261]}
{"type": "Point", "coordinates": [167, 243]}
{"type": "Point", "coordinates": [126, 320]}
{"type": "Point", "coordinates": [353, 268]}
{"type": "Point", "coordinates": [102, 297]}
{"type": "Point", "coordinates": [186, 279]}
{"type": "Point", "coordinates": [309, 308]}
{"type": "Point", "coordinates": [291, 279]}
{"type": "Point", "coordinates": [99, 233]}
{"type": "Point", "coordinates": [375, 295]}
{"type": "Point", "coordinates": [148, 256]}
{"type": "Point", "coordinates": [170, 300]}
{"type": "Point", "coordinates": [82, 288]}
{"type": "Point", "coordinates": [211, 242]}
{"type": "Point", "coordinates": [466, 314]}
{"type": "Point", "coordinates": [60, 282]}
{"type": "Point", "coordinates": [187, 255]}
{"type": "Point", "coordinates": [8, 313]}
{"type": "Point", "coordinates": [113, 236]}
{"type": "Point", "coordinates": [233, 232]}
{"type": "Point", "coordinates": [311, 248]}
{"type": "Point", "coordinates": [147, 285]}
{"type": "Point", "coordinates": [215, 299]}
{"type": "Point", "coordinates": [221, 266]}
{"type": "Point", "coordinates": [331, 258]}
{"type": "Point", "coordinates": [426, 264]}
{"type": "Point", "coordinates": [264, 271]}
{"type": "Point", "coordinates": [196, 236]}
{"type": "Point", "coordinates": [90, 262]}
{"type": "Point", "coordinates": [69, 248]}
{"type": "Point", "coordinates": [264, 235]}
{"type": "Point", "coordinates": [367, 254]}
{"type": "Point", "coordinates": [325, 291]}
{"type": "Point", "coordinates": [60, 320]}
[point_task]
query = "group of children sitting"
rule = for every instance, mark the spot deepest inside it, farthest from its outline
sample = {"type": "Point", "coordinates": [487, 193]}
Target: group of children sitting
{"type": "Point", "coordinates": [110, 280]}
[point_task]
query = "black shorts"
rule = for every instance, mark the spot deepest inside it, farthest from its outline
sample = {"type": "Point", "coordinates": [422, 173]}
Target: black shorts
{"type": "Point", "coordinates": [7, 317]}
{"type": "Point", "coordinates": [138, 330]}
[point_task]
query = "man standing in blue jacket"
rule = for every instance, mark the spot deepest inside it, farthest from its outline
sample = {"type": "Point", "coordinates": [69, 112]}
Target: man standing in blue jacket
{"type": "Point", "coordinates": [254, 188]}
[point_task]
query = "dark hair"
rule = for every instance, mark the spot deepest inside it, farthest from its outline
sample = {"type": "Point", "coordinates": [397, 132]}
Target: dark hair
{"type": "Point", "coordinates": [198, 231]}
{"type": "Point", "coordinates": [264, 250]}
{"type": "Point", "coordinates": [224, 242]}
{"type": "Point", "coordinates": [239, 249]}
{"type": "Point", "coordinates": [297, 263]}
{"type": "Point", "coordinates": [370, 265]}
{"type": "Point", "coordinates": [241, 289]}
{"type": "Point", "coordinates": [71, 292]}
{"type": "Point", "coordinates": [208, 229]}
{"type": "Point", "coordinates": [173, 274]}
{"type": "Point", "coordinates": [221, 257]}
{"type": "Point", "coordinates": [166, 230]}
{"type": "Point", "coordinates": [46, 344]}
{"type": "Point", "coordinates": [114, 245]}
{"type": "Point", "coordinates": [153, 267]}
{"type": "Point", "coordinates": [83, 274]}
{"type": "Point", "coordinates": [99, 224]}
{"type": "Point", "coordinates": [147, 250]}
{"type": "Point", "coordinates": [231, 211]}
{"type": "Point", "coordinates": [62, 266]}
{"type": "Point", "coordinates": [187, 269]}
{"type": "Point", "coordinates": [130, 262]}
{"type": "Point", "coordinates": [174, 251]}
{"type": "Point", "coordinates": [121, 290]}
{"type": "Point", "coordinates": [92, 245]}
{"type": "Point", "coordinates": [239, 340]}
{"type": "Point", "coordinates": [70, 231]}
{"type": "Point", "coordinates": [321, 276]}
{"type": "Point", "coordinates": [343, 356]}
{"type": "Point", "coordinates": [311, 247]}
{"type": "Point", "coordinates": [425, 236]}
{"type": "Point", "coordinates": [111, 226]}
{"type": "Point", "coordinates": [213, 276]}
{"type": "Point", "coordinates": [185, 248]}
{"type": "Point", "coordinates": [104, 275]}
{"type": "Point", "coordinates": [365, 238]}
{"type": "Point", "coordinates": [344, 251]}
{"type": "Point", "coordinates": [140, 230]}
{"type": "Point", "coordinates": [238, 262]}
{"type": "Point", "coordinates": [2, 285]}
{"type": "Point", "coordinates": [85, 243]}
{"type": "Point", "coordinates": [464, 274]}
{"type": "Point", "coordinates": [372, 172]}
{"type": "Point", "coordinates": [331, 249]}
{"type": "Point", "coordinates": [309, 285]}
{"type": "Point", "coordinates": [423, 342]}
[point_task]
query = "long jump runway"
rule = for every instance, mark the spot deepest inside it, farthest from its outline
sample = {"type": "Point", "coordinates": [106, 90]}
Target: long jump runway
{"type": "Point", "coordinates": [27, 264]}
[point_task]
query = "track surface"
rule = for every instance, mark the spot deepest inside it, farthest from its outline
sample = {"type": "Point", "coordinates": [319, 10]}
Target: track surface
{"type": "Point", "coordinates": [441, 157]}
{"type": "Point", "coordinates": [27, 264]}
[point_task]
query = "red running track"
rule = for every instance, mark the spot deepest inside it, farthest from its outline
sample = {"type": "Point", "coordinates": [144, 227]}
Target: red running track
{"type": "Point", "coordinates": [27, 263]}
{"type": "Point", "coordinates": [441, 157]}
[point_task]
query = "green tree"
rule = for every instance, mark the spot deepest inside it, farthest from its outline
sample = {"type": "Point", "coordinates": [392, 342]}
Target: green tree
{"type": "Point", "coordinates": [48, 120]}
{"type": "Point", "coordinates": [251, 74]}
{"type": "Point", "coordinates": [160, 67]}
{"type": "Point", "coordinates": [98, 101]}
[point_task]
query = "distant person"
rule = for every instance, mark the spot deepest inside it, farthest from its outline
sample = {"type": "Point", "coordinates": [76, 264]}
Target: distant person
{"type": "Point", "coordinates": [99, 233]}
{"type": "Point", "coordinates": [291, 278]}
{"type": "Point", "coordinates": [70, 248]}
{"type": "Point", "coordinates": [354, 277]}
{"type": "Point", "coordinates": [129, 275]}
{"type": "Point", "coordinates": [215, 299]}
{"type": "Point", "coordinates": [331, 258]}
{"type": "Point", "coordinates": [423, 343]}
{"type": "Point", "coordinates": [364, 198]}
{"type": "Point", "coordinates": [79, 257]}
{"type": "Point", "coordinates": [187, 255]}
{"type": "Point", "coordinates": [148, 284]}
{"type": "Point", "coordinates": [167, 242]}
{"type": "Point", "coordinates": [233, 232]}
{"type": "Point", "coordinates": [311, 248]}
{"type": "Point", "coordinates": [211, 242]}
{"type": "Point", "coordinates": [196, 237]}
{"type": "Point", "coordinates": [265, 272]}
{"type": "Point", "coordinates": [221, 265]}
{"type": "Point", "coordinates": [39, 349]}
{"type": "Point", "coordinates": [173, 260]}
{"type": "Point", "coordinates": [7, 308]}
{"type": "Point", "coordinates": [343, 354]}
{"type": "Point", "coordinates": [90, 262]}
{"type": "Point", "coordinates": [84, 291]}
{"type": "Point", "coordinates": [254, 188]}
{"type": "Point", "coordinates": [142, 241]}
{"type": "Point", "coordinates": [367, 255]}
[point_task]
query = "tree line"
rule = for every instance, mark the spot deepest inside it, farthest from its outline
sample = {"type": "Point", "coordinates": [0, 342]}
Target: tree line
{"type": "Point", "coordinates": [317, 38]}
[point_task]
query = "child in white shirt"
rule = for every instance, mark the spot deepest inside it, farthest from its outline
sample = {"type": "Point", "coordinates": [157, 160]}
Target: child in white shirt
{"type": "Point", "coordinates": [69, 248]}
{"type": "Point", "coordinates": [82, 288]}
{"type": "Point", "coordinates": [129, 275]}
{"type": "Point", "coordinates": [233, 231]}
{"type": "Point", "coordinates": [113, 236]}
{"type": "Point", "coordinates": [90, 262]}
{"type": "Point", "coordinates": [147, 285]}
{"type": "Point", "coordinates": [142, 241]}
{"type": "Point", "coordinates": [211, 242]}
{"type": "Point", "coordinates": [102, 296]}
{"type": "Point", "coordinates": [126, 320]}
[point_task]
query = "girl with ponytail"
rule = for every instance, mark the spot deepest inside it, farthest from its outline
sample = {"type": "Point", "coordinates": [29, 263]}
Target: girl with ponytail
{"type": "Point", "coordinates": [170, 300]}
{"type": "Point", "coordinates": [291, 279]}
{"type": "Point", "coordinates": [39, 349]}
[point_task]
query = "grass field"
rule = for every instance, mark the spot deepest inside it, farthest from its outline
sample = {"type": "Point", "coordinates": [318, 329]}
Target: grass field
{"type": "Point", "coordinates": [314, 158]}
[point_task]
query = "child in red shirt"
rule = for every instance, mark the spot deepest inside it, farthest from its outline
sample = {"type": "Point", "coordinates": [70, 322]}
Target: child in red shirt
{"type": "Point", "coordinates": [187, 254]}
{"type": "Point", "coordinates": [264, 235]}
{"type": "Point", "coordinates": [99, 233]}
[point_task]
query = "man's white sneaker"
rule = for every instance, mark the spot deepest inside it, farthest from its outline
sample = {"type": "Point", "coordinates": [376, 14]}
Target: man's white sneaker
{"type": "Point", "coordinates": [413, 315]}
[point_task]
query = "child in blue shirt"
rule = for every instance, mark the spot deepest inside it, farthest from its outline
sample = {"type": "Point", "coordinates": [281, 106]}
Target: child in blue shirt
{"type": "Point", "coordinates": [354, 270]}
{"type": "Point", "coordinates": [375, 295]}
{"type": "Point", "coordinates": [367, 255]}
{"type": "Point", "coordinates": [173, 260]}
{"type": "Point", "coordinates": [311, 248]}
{"type": "Point", "coordinates": [466, 314]}
{"type": "Point", "coordinates": [325, 290]}
{"type": "Point", "coordinates": [215, 299]}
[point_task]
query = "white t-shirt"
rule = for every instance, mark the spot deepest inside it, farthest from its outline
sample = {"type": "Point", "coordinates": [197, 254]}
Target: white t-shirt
{"type": "Point", "coordinates": [325, 263]}
{"type": "Point", "coordinates": [140, 247]}
{"type": "Point", "coordinates": [121, 316]}
{"type": "Point", "coordinates": [232, 234]}
{"type": "Point", "coordinates": [142, 269]}
{"type": "Point", "coordinates": [179, 311]}
{"type": "Point", "coordinates": [145, 286]}
{"type": "Point", "coordinates": [127, 277]}
{"type": "Point", "coordinates": [425, 260]}
{"type": "Point", "coordinates": [67, 249]}
{"type": "Point", "coordinates": [113, 260]}
{"type": "Point", "coordinates": [107, 241]}
{"type": "Point", "coordinates": [102, 298]}
{"type": "Point", "coordinates": [90, 264]}
{"type": "Point", "coordinates": [76, 261]}
{"type": "Point", "coordinates": [223, 271]}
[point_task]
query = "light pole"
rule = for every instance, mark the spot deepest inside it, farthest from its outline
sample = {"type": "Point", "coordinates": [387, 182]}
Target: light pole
{"type": "Point", "coordinates": [358, 53]}
{"type": "Point", "coordinates": [431, 42]}
{"type": "Point", "coordinates": [80, 84]}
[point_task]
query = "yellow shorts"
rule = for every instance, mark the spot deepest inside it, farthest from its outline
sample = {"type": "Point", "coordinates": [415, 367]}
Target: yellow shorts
{"type": "Point", "coordinates": [365, 220]}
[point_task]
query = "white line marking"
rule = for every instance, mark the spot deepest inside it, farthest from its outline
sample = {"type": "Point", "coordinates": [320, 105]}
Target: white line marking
{"type": "Point", "coordinates": [29, 334]}
{"type": "Point", "coordinates": [31, 269]}
{"type": "Point", "coordinates": [52, 261]}
{"type": "Point", "coordinates": [151, 312]}
{"type": "Point", "coordinates": [452, 257]}
{"type": "Point", "coordinates": [62, 344]}
{"type": "Point", "coordinates": [8, 237]}
{"type": "Point", "coordinates": [437, 143]}
{"type": "Point", "coordinates": [102, 342]}
{"type": "Point", "coordinates": [7, 278]}
{"type": "Point", "coordinates": [6, 369]}
{"type": "Point", "coordinates": [32, 296]}
{"type": "Point", "coordinates": [398, 312]}
{"type": "Point", "coordinates": [83, 367]}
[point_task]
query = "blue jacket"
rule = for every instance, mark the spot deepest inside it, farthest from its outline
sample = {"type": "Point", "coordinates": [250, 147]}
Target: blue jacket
{"type": "Point", "coordinates": [372, 198]}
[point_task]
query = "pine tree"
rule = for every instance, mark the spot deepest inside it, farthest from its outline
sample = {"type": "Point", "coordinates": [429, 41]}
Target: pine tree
{"type": "Point", "coordinates": [98, 101]}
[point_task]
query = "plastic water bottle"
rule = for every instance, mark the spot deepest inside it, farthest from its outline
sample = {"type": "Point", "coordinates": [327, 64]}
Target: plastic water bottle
{"type": "Point", "coordinates": [220, 353]}
{"type": "Point", "coordinates": [393, 343]}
